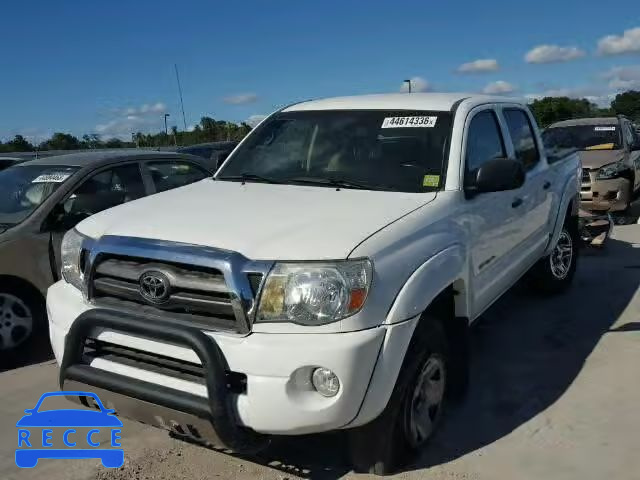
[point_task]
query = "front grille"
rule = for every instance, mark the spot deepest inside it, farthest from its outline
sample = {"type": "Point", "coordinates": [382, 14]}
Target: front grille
{"type": "Point", "coordinates": [197, 294]}
{"type": "Point", "coordinates": [171, 367]}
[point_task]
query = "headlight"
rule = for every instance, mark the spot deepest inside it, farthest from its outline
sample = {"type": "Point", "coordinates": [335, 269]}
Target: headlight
{"type": "Point", "coordinates": [314, 293]}
{"type": "Point", "coordinates": [70, 255]}
{"type": "Point", "coordinates": [612, 170]}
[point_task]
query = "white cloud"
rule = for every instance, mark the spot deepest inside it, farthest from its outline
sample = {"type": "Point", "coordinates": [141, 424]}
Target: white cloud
{"type": "Point", "coordinates": [127, 120]}
{"type": "Point", "coordinates": [552, 53]}
{"type": "Point", "coordinates": [254, 120]}
{"type": "Point", "coordinates": [499, 88]}
{"type": "Point", "coordinates": [418, 84]}
{"type": "Point", "coordinates": [479, 66]}
{"type": "Point", "coordinates": [241, 99]}
{"type": "Point", "coordinates": [628, 42]}
{"type": "Point", "coordinates": [624, 78]}
{"type": "Point", "coordinates": [145, 109]}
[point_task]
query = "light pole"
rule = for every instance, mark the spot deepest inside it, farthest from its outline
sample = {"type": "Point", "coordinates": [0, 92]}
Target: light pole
{"type": "Point", "coordinates": [166, 130]}
{"type": "Point", "coordinates": [409, 82]}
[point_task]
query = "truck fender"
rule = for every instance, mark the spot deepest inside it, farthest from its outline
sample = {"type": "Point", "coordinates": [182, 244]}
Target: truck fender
{"type": "Point", "coordinates": [430, 279]}
{"type": "Point", "coordinates": [569, 194]}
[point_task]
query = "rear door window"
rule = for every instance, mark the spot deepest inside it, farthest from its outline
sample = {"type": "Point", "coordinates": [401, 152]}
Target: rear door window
{"type": "Point", "coordinates": [167, 175]}
{"type": "Point", "coordinates": [522, 136]}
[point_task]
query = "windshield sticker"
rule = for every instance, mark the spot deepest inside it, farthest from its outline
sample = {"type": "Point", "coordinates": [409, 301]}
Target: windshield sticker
{"type": "Point", "coordinates": [431, 180]}
{"type": "Point", "coordinates": [54, 177]}
{"type": "Point", "coordinates": [409, 122]}
{"type": "Point", "coordinates": [605, 129]}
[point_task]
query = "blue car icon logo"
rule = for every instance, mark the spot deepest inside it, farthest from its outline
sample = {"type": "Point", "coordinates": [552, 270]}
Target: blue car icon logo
{"type": "Point", "coordinates": [69, 433]}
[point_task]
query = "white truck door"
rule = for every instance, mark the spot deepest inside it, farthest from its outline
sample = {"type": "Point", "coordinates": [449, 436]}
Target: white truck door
{"type": "Point", "coordinates": [536, 193]}
{"type": "Point", "coordinates": [490, 217]}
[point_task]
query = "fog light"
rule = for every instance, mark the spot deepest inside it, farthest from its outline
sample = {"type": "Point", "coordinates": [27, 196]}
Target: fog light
{"type": "Point", "coordinates": [325, 382]}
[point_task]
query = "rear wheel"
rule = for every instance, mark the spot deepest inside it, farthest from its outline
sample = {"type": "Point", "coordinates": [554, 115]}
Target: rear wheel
{"type": "Point", "coordinates": [554, 273]}
{"type": "Point", "coordinates": [414, 409]}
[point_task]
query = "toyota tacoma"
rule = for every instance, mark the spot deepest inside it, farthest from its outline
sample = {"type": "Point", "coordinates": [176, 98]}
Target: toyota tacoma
{"type": "Point", "coordinates": [324, 279]}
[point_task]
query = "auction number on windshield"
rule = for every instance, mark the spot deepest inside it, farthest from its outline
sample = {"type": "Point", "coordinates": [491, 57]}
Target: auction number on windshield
{"type": "Point", "coordinates": [408, 122]}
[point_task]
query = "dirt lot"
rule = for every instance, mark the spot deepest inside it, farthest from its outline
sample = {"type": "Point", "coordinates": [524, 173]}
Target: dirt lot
{"type": "Point", "coordinates": [555, 395]}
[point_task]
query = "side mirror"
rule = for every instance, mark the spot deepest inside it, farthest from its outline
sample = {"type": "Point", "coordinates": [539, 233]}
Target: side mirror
{"type": "Point", "coordinates": [496, 175]}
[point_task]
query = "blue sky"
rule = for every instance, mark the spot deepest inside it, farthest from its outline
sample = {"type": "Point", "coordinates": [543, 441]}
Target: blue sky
{"type": "Point", "coordinates": [107, 67]}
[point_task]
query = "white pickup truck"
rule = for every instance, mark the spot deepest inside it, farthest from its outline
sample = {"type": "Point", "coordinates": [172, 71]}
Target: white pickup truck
{"type": "Point", "coordinates": [325, 278]}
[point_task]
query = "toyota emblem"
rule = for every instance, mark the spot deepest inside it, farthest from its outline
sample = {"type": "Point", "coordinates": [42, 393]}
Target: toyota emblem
{"type": "Point", "coordinates": [154, 287]}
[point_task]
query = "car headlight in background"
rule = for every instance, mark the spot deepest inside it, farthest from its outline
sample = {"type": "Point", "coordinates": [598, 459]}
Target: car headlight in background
{"type": "Point", "coordinates": [613, 170]}
{"type": "Point", "coordinates": [70, 255]}
{"type": "Point", "coordinates": [314, 293]}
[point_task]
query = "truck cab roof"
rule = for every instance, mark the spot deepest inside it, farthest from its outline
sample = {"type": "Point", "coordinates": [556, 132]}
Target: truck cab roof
{"type": "Point", "coordinates": [400, 101]}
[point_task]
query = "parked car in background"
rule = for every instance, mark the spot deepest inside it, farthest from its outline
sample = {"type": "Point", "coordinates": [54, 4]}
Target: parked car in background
{"type": "Point", "coordinates": [8, 162]}
{"type": "Point", "coordinates": [610, 153]}
{"type": "Point", "coordinates": [41, 199]}
{"type": "Point", "coordinates": [359, 238]}
{"type": "Point", "coordinates": [214, 152]}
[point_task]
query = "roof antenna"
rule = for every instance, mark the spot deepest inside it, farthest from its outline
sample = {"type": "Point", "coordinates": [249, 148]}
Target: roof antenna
{"type": "Point", "coordinates": [184, 119]}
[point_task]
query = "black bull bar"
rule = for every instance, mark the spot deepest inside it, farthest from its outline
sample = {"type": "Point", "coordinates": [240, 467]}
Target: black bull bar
{"type": "Point", "coordinates": [217, 409]}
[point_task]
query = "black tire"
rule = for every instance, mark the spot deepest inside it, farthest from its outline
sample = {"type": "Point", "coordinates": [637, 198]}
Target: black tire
{"type": "Point", "coordinates": [546, 276]}
{"type": "Point", "coordinates": [25, 302]}
{"type": "Point", "coordinates": [383, 445]}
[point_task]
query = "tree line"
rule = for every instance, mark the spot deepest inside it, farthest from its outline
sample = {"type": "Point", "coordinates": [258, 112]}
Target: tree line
{"type": "Point", "coordinates": [208, 130]}
{"type": "Point", "coordinates": [546, 110]}
{"type": "Point", "coordinates": [554, 109]}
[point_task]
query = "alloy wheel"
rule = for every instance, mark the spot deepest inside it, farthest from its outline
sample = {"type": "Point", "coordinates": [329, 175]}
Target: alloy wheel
{"type": "Point", "coordinates": [425, 404]}
{"type": "Point", "coordinates": [16, 321]}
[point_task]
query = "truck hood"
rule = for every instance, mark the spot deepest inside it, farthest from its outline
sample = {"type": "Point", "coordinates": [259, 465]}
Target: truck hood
{"type": "Point", "coordinates": [260, 221]}
{"type": "Point", "coordinates": [598, 158]}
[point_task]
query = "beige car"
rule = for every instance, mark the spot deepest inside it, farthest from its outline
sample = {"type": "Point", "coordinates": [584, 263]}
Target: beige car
{"type": "Point", "coordinates": [610, 153]}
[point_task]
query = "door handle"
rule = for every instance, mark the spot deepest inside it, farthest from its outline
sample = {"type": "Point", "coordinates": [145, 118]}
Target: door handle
{"type": "Point", "coordinates": [516, 203]}
{"type": "Point", "coordinates": [546, 185]}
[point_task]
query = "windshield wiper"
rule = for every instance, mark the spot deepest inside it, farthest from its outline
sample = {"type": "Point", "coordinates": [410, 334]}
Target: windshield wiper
{"type": "Point", "coordinates": [334, 182]}
{"type": "Point", "coordinates": [248, 177]}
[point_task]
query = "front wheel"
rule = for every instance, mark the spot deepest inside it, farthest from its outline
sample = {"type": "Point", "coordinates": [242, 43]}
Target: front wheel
{"type": "Point", "coordinates": [21, 318]}
{"type": "Point", "coordinates": [414, 409]}
{"type": "Point", "coordinates": [554, 273]}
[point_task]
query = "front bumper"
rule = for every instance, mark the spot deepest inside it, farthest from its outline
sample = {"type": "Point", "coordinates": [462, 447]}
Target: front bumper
{"type": "Point", "coordinates": [275, 402]}
{"type": "Point", "coordinates": [606, 195]}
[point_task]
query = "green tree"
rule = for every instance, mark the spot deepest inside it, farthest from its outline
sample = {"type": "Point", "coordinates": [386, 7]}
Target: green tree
{"type": "Point", "coordinates": [61, 141]}
{"type": "Point", "coordinates": [554, 109]}
{"type": "Point", "coordinates": [114, 143]}
{"type": "Point", "coordinates": [18, 144]}
{"type": "Point", "coordinates": [627, 103]}
{"type": "Point", "coordinates": [91, 140]}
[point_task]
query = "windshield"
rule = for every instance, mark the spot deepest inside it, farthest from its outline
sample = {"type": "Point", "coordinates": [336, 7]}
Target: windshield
{"type": "Point", "coordinates": [378, 150]}
{"type": "Point", "coordinates": [583, 137]}
{"type": "Point", "coordinates": [24, 188]}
